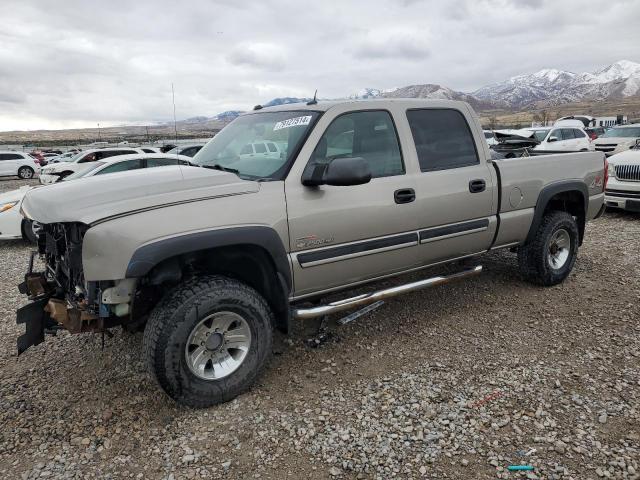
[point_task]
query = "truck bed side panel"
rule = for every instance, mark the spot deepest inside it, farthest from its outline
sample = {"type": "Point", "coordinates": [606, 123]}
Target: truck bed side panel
{"type": "Point", "coordinates": [523, 179]}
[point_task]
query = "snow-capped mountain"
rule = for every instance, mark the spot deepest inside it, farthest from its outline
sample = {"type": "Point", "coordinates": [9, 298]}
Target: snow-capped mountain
{"type": "Point", "coordinates": [436, 92]}
{"type": "Point", "coordinates": [554, 87]}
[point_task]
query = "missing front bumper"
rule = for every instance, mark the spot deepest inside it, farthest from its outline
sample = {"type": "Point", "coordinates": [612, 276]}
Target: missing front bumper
{"type": "Point", "coordinates": [36, 321]}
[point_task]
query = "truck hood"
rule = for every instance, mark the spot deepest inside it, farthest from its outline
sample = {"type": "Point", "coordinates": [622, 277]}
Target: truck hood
{"type": "Point", "coordinates": [628, 157]}
{"type": "Point", "coordinates": [90, 200]}
{"type": "Point", "coordinates": [615, 140]}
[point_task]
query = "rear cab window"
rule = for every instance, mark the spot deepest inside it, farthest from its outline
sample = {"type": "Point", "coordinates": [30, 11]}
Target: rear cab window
{"type": "Point", "coordinates": [442, 139]}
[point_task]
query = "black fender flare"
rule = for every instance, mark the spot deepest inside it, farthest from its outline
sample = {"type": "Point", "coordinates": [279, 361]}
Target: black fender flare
{"type": "Point", "coordinates": [550, 191]}
{"type": "Point", "coordinates": [150, 255]}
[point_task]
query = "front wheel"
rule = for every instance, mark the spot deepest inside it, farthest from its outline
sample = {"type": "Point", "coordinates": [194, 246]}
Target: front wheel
{"type": "Point", "coordinates": [207, 341]}
{"type": "Point", "coordinates": [29, 233]}
{"type": "Point", "coordinates": [549, 257]}
{"type": "Point", "coordinates": [25, 172]}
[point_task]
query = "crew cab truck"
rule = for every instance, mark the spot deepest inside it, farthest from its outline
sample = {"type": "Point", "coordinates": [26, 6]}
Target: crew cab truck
{"type": "Point", "coordinates": [211, 260]}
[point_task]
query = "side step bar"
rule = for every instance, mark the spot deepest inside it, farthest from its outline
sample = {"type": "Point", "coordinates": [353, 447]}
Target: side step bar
{"type": "Point", "coordinates": [368, 298]}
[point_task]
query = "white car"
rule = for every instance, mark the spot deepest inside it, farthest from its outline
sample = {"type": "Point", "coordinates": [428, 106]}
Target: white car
{"type": "Point", "coordinates": [17, 164]}
{"type": "Point", "coordinates": [623, 187]}
{"type": "Point", "coordinates": [82, 161]}
{"type": "Point", "coordinates": [618, 139]}
{"type": "Point", "coordinates": [188, 150]}
{"type": "Point", "coordinates": [490, 137]}
{"type": "Point", "coordinates": [65, 157]}
{"type": "Point", "coordinates": [561, 139]}
{"type": "Point", "coordinates": [260, 149]}
{"type": "Point", "coordinates": [14, 226]}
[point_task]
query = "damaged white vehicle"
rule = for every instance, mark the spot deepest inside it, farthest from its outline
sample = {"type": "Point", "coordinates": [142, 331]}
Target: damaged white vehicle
{"type": "Point", "coordinates": [14, 226]}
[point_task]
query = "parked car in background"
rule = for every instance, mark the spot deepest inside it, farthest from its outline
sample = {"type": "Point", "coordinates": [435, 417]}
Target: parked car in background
{"type": "Point", "coordinates": [82, 161]}
{"type": "Point", "coordinates": [187, 150]}
{"type": "Point", "coordinates": [595, 132]}
{"type": "Point", "coordinates": [17, 164]}
{"type": "Point", "coordinates": [618, 139]}
{"type": "Point", "coordinates": [65, 157]}
{"type": "Point", "coordinates": [38, 158]}
{"type": "Point", "coordinates": [623, 188]}
{"type": "Point", "coordinates": [490, 137]}
{"type": "Point", "coordinates": [260, 149]}
{"type": "Point", "coordinates": [14, 226]}
{"type": "Point", "coordinates": [561, 139]}
{"type": "Point", "coordinates": [150, 149]}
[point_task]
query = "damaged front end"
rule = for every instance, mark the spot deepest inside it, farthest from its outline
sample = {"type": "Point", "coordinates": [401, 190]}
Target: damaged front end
{"type": "Point", "coordinates": [59, 296]}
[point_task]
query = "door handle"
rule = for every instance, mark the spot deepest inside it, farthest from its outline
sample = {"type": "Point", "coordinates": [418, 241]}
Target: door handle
{"type": "Point", "coordinates": [404, 195]}
{"type": "Point", "coordinates": [477, 186]}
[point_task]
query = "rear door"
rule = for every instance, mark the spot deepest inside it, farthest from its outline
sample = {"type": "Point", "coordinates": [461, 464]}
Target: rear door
{"type": "Point", "coordinates": [9, 163]}
{"type": "Point", "coordinates": [455, 187]}
{"type": "Point", "coordinates": [582, 139]}
{"type": "Point", "coordinates": [566, 140]}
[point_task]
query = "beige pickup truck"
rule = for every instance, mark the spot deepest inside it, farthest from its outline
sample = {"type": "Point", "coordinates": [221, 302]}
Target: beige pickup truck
{"type": "Point", "coordinates": [292, 203]}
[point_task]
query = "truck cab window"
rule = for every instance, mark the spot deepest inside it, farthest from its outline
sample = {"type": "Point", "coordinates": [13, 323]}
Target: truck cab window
{"type": "Point", "coordinates": [370, 135]}
{"type": "Point", "coordinates": [442, 138]}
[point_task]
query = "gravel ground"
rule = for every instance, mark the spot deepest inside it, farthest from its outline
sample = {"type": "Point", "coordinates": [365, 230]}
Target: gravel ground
{"type": "Point", "coordinates": [456, 382]}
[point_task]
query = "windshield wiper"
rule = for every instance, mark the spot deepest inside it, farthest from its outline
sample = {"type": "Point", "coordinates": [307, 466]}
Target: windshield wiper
{"type": "Point", "coordinates": [217, 166]}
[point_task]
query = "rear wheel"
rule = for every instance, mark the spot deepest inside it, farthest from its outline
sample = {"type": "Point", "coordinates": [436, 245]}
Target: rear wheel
{"type": "Point", "coordinates": [25, 172]}
{"type": "Point", "coordinates": [208, 340]}
{"type": "Point", "coordinates": [549, 257]}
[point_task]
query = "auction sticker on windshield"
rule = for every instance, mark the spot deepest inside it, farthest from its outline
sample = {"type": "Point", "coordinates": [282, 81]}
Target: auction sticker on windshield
{"type": "Point", "coordinates": [292, 122]}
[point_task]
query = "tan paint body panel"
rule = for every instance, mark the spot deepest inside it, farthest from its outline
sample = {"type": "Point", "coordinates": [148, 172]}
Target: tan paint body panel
{"type": "Point", "coordinates": [108, 246]}
{"type": "Point", "coordinates": [330, 216]}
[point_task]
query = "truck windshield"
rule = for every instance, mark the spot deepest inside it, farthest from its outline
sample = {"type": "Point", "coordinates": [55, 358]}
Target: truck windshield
{"type": "Point", "coordinates": [627, 132]}
{"type": "Point", "coordinates": [257, 146]}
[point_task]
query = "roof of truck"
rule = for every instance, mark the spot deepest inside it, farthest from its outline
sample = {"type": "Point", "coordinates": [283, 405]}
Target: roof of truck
{"type": "Point", "coordinates": [324, 105]}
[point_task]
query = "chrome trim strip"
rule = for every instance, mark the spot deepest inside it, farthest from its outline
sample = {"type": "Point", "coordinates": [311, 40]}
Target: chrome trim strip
{"type": "Point", "coordinates": [358, 254]}
{"type": "Point", "coordinates": [451, 235]}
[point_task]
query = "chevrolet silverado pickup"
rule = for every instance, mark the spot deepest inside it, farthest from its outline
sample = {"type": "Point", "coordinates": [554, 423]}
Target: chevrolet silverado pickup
{"type": "Point", "coordinates": [283, 207]}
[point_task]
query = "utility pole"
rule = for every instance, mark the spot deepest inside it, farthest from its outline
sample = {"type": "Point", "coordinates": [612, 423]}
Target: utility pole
{"type": "Point", "coordinates": [99, 135]}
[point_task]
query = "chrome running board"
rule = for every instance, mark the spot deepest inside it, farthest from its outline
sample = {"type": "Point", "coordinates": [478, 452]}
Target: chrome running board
{"type": "Point", "coordinates": [368, 298]}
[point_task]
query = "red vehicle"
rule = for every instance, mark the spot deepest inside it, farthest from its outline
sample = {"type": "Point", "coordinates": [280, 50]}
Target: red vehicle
{"type": "Point", "coordinates": [38, 158]}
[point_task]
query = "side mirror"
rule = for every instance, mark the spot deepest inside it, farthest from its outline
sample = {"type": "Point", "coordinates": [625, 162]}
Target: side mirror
{"type": "Point", "coordinates": [339, 172]}
{"type": "Point", "coordinates": [552, 139]}
{"type": "Point", "coordinates": [638, 143]}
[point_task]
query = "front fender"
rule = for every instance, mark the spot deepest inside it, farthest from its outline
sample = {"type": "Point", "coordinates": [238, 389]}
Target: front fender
{"type": "Point", "coordinates": [151, 254]}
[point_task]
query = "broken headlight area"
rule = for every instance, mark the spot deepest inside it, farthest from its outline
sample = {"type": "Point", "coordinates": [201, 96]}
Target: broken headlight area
{"type": "Point", "coordinates": [60, 297]}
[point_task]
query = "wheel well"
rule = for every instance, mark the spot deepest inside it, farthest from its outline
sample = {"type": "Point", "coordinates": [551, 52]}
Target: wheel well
{"type": "Point", "coordinates": [250, 264]}
{"type": "Point", "coordinates": [572, 202]}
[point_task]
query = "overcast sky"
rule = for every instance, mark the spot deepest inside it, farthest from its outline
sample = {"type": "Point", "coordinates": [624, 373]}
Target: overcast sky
{"type": "Point", "coordinates": [76, 63]}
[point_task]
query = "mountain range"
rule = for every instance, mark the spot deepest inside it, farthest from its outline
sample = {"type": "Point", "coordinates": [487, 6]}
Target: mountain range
{"type": "Point", "coordinates": [544, 88]}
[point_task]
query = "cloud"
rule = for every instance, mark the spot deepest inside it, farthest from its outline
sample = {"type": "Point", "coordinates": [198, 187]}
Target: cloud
{"type": "Point", "coordinates": [393, 45]}
{"type": "Point", "coordinates": [258, 55]}
{"type": "Point", "coordinates": [88, 61]}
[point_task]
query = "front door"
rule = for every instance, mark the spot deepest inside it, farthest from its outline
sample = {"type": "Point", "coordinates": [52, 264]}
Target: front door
{"type": "Point", "coordinates": [455, 190]}
{"type": "Point", "coordinates": [343, 235]}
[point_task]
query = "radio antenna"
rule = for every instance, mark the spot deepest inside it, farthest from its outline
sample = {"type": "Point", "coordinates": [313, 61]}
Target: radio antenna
{"type": "Point", "coordinates": [315, 99]}
{"type": "Point", "coordinates": [175, 126]}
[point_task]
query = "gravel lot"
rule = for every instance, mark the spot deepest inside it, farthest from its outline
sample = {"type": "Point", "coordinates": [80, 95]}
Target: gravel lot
{"type": "Point", "coordinates": [455, 382]}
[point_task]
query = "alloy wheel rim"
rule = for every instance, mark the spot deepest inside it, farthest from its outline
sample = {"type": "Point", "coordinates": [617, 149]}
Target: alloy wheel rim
{"type": "Point", "coordinates": [559, 249]}
{"type": "Point", "coordinates": [218, 345]}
